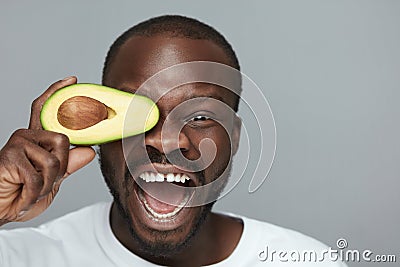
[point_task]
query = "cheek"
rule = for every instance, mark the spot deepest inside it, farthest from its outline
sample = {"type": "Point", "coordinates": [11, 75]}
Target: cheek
{"type": "Point", "coordinates": [222, 142]}
{"type": "Point", "coordinates": [223, 157]}
{"type": "Point", "coordinates": [113, 162]}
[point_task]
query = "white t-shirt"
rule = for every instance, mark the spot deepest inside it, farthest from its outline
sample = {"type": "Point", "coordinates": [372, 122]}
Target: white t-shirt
{"type": "Point", "coordinates": [84, 238]}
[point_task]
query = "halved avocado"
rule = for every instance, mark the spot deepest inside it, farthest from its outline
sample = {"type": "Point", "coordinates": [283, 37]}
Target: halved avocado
{"type": "Point", "coordinates": [143, 114]}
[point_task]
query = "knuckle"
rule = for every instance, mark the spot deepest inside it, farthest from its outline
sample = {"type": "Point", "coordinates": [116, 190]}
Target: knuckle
{"type": "Point", "coordinates": [18, 133]}
{"type": "Point", "coordinates": [19, 138]}
{"type": "Point", "coordinates": [11, 153]}
{"type": "Point", "coordinates": [36, 181]}
{"type": "Point", "coordinates": [61, 140]}
{"type": "Point", "coordinates": [10, 149]}
{"type": "Point", "coordinates": [52, 162]}
{"type": "Point", "coordinates": [36, 103]}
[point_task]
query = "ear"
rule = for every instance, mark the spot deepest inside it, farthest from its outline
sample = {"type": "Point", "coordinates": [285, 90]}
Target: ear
{"type": "Point", "coordinates": [237, 126]}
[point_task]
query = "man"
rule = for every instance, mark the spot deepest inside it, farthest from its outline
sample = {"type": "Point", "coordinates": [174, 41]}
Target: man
{"type": "Point", "coordinates": [138, 229]}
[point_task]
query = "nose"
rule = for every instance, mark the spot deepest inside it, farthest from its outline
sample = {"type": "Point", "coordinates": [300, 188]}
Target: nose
{"type": "Point", "coordinates": [167, 137]}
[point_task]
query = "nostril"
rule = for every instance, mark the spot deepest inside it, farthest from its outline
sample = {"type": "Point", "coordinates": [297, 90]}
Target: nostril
{"type": "Point", "coordinates": [184, 149]}
{"type": "Point", "coordinates": [154, 154]}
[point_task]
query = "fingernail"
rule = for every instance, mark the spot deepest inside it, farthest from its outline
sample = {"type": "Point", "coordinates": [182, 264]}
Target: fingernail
{"type": "Point", "coordinates": [68, 78]}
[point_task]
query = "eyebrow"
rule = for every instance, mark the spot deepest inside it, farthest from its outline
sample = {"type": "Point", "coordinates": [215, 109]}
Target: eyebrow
{"type": "Point", "coordinates": [205, 95]}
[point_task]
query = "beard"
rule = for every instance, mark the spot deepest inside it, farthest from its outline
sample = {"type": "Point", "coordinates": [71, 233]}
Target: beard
{"type": "Point", "coordinates": [156, 246]}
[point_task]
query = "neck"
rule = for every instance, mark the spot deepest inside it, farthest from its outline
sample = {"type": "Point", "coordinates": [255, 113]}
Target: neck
{"type": "Point", "coordinates": [215, 240]}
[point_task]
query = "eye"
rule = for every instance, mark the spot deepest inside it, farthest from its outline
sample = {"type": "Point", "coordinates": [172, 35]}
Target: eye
{"type": "Point", "coordinates": [200, 118]}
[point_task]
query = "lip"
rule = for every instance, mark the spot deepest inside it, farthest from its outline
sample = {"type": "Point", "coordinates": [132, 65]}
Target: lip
{"type": "Point", "coordinates": [142, 214]}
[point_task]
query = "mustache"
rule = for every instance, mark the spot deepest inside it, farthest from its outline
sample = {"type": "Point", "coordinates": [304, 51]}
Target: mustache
{"type": "Point", "coordinates": [152, 155]}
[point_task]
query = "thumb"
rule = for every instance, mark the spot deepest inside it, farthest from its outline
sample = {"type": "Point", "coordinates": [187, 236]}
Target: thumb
{"type": "Point", "coordinates": [78, 158]}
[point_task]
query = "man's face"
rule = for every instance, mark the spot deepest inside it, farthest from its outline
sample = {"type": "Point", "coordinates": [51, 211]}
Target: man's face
{"type": "Point", "coordinates": [162, 227]}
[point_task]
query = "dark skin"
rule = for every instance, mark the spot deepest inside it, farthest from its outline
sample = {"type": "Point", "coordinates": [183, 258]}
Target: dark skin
{"type": "Point", "coordinates": [217, 236]}
{"type": "Point", "coordinates": [33, 164]}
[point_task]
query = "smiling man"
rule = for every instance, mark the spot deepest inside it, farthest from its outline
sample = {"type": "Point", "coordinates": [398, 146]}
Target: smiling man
{"type": "Point", "coordinates": [157, 217]}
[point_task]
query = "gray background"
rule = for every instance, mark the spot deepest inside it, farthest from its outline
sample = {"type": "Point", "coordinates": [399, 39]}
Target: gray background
{"type": "Point", "coordinates": [330, 70]}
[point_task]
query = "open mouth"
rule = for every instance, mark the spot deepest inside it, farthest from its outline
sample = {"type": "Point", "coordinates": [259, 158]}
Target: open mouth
{"type": "Point", "coordinates": [164, 195]}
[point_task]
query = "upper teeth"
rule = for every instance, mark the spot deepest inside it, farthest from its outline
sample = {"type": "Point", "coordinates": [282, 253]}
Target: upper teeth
{"type": "Point", "coordinates": [159, 177]}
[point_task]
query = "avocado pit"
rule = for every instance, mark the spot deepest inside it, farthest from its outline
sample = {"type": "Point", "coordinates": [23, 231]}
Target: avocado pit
{"type": "Point", "coordinates": [81, 112]}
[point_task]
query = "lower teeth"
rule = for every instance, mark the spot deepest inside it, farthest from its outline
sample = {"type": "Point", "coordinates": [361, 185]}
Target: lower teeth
{"type": "Point", "coordinates": [165, 215]}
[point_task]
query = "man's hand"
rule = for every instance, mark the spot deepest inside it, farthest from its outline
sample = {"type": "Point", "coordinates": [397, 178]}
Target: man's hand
{"type": "Point", "coordinates": [34, 162]}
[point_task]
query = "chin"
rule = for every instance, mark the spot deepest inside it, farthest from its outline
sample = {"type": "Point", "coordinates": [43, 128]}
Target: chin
{"type": "Point", "coordinates": [157, 240]}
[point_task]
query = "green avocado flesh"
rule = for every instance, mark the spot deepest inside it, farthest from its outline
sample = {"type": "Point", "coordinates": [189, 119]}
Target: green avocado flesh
{"type": "Point", "coordinates": [124, 114]}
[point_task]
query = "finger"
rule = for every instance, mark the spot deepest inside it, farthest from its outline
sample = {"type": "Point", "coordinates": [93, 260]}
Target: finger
{"type": "Point", "coordinates": [34, 122]}
{"type": "Point", "coordinates": [41, 205]}
{"type": "Point", "coordinates": [55, 143]}
{"type": "Point", "coordinates": [46, 164]}
{"type": "Point", "coordinates": [58, 145]}
{"type": "Point", "coordinates": [78, 158]}
{"type": "Point", "coordinates": [32, 185]}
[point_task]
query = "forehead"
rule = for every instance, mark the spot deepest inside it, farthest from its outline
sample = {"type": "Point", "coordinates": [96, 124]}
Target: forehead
{"type": "Point", "coordinates": [140, 58]}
